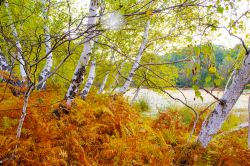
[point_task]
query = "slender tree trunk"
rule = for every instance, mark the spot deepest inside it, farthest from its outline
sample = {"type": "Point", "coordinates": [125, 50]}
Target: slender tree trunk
{"type": "Point", "coordinates": [3, 63]}
{"type": "Point", "coordinates": [249, 122]}
{"type": "Point", "coordinates": [24, 111]}
{"type": "Point", "coordinates": [116, 82]}
{"type": "Point", "coordinates": [136, 94]}
{"type": "Point", "coordinates": [85, 56]}
{"type": "Point", "coordinates": [18, 44]}
{"type": "Point", "coordinates": [139, 88]}
{"type": "Point", "coordinates": [49, 61]}
{"type": "Point", "coordinates": [90, 80]}
{"type": "Point", "coordinates": [214, 121]}
{"type": "Point", "coordinates": [127, 83]}
{"type": "Point", "coordinates": [103, 83]}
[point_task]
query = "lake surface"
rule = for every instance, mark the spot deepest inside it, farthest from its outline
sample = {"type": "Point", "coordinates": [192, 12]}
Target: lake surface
{"type": "Point", "coordinates": [159, 101]}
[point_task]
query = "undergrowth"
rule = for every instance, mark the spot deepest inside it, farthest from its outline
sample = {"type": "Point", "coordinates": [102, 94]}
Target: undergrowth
{"type": "Point", "coordinates": [142, 105]}
{"type": "Point", "coordinates": [106, 130]}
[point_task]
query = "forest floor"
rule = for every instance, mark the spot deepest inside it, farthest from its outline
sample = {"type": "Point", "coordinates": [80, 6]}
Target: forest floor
{"type": "Point", "coordinates": [106, 130]}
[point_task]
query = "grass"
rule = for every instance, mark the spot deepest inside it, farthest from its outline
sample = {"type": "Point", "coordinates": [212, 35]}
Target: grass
{"type": "Point", "coordinates": [142, 105]}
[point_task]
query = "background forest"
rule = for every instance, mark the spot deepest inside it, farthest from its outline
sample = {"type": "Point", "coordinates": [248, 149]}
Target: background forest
{"type": "Point", "coordinates": [74, 73]}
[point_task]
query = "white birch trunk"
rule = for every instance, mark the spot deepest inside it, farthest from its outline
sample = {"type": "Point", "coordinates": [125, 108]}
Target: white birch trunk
{"type": "Point", "coordinates": [116, 80]}
{"type": "Point", "coordinates": [4, 66]}
{"type": "Point", "coordinates": [127, 83]}
{"type": "Point", "coordinates": [136, 94]}
{"type": "Point", "coordinates": [85, 56]}
{"type": "Point", "coordinates": [139, 88]}
{"type": "Point", "coordinates": [3, 63]}
{"type": "Point", "coordinates": [90, 80]}
{"type": "Point", "coordinates": [213, 123]}
{"type": "Point", "coordinates": [49, 61]}
{"type": "Point", "coordinates": [18, 44]}
{"type": "Point", "coordinates": [103, 83]}
{"type": "Point", "coordinates": [24, 111]}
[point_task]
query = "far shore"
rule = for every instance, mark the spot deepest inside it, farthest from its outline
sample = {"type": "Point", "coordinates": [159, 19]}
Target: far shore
{"type": "Point", "coordinates": [187, 95]}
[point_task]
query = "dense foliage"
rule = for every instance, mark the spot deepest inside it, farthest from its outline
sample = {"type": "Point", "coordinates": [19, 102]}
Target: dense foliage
{"type": "Point", "coordinates": [106, 130]}
{"type": "Point", "coordinates": [201, 73]}
{"type": "Point", "coordinates": [66, 66]}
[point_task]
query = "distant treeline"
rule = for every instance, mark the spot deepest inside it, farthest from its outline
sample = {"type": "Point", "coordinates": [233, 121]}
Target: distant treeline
{"type": "Point", "coordinates": [210, 65]}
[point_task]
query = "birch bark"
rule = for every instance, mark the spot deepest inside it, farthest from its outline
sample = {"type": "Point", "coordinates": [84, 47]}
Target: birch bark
{"type": "Point", "coordinates": [231, 94]}
{"type": "Point", "coordinates": [136, 94]}
{"type": "Point", "coordinates": [90, 80]}
{"type": "Point", "coordinates": [85, 56]}
{"type": "Point", "coordinates": [11, 79]}
{"type": "Point", "coordinates": [127, 83]}
{"type": "Point", "coordinates": [49, 61]}
{"type": "Point", "coordinates": [18, 44]}
{"type": "Point", "coordinates": [103, 83]}
{"type": "Point", "coordinates": [24, 111]}
{"type": "Point", "coordinates": [139, 88]}
{"type": "Point", "coordinates": [116, 80]}
{"type": "Point", "coordinates": [3, 63]}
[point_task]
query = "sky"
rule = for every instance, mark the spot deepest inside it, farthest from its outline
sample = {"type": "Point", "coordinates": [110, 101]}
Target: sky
{"type": "Point", "coordinates": [224, 38]}
{"type": "Point", "coordinates": [221, 37]}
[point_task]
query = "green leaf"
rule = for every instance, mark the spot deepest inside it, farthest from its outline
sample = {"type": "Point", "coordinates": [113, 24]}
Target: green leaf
{"type": "Point", "coordinates": [220, 9]}
{"type": "Point", "coordinates": [188, 72]}
{"type": "Point", "coordinates": [189, 39]}
{"type": "Point", "coordinates": [209, 7]}
{"type": "Point", "coordinates": [195, 78]}
{"type": "Point", "coordinates": [195, 87]}
{"type": "Point", "coordinates": [206, 50]}
{"type": "Point", "coordinates": [217, 82]}
{"type": "Point", "coordinates": [208, 79]}
{"type": "Point", "coordinates": [197, 92]}
{"type": "Point", "coordinates": [197, 51]}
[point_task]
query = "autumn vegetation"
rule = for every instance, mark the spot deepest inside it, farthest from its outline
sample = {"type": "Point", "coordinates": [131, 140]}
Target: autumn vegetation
{"type": "Point", "coordinates": [106, 130]}
{"type": "Point", "coordinates": [68, 67]}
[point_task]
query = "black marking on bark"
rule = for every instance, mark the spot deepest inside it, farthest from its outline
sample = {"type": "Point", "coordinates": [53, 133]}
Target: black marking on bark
{"type": "Point", "coordinates": [78, 80]}
{"type": "Point", "coordinates": [131, 74]}
{"type": "Point", "coordinates": [84, 93]}
{"type": "Point", "coordinates": [41, 87]}
{"type": "Point", "coordinates": [10, 79]}
{"type": "Point", "coordinates": [223, 103]}
{"type": "Point", "coordinates": [79, 74]}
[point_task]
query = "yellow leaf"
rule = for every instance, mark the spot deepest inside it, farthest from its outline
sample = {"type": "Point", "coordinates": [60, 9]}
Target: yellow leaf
{"type": "Point", "coordinates": [148, 13]}
{"type": "Point", "coordinates": [212, 69]}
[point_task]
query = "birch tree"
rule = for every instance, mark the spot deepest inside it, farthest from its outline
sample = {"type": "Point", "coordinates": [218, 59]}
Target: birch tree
{"type": "Point", "coordinates": [4, 66]}
{"type": "Point", "coordinates": [139, 87]}
{"type": "Point", "coordinates": [237, 81]}
{"type": "Point", "coordinates": [49, 61]}
{"type": "Point", "coordinates": [103, 83]}
{"type": "Point", "coordinates": [90, 80]}
{"type": "Point", "coordinates": [112, 60]}
{"type": "Point", "coordinates": [8, 76]}
{"type": "Point", "coordinates": [116, 77]}
{"type": "Point", "coordinates": [231, 94]}
{"type": "Point", "coordinates": [127, 83]}
{"type": "Point", "coordinates": [18, 44]}
{"type": "Point", "coordinates": [85, 56]}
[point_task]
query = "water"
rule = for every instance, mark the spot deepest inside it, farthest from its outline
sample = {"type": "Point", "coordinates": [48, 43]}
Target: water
{"type": "Point", "coordinates": [159, 101]}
